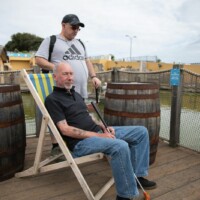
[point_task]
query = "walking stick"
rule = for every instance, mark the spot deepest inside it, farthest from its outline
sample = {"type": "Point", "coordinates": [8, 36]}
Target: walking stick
{"type": "Point", "coordinates": [97, 94]}
{"type": "Point", "coordinates": [99, 114]}
{"type": "Point", "coordinates": [146, 195]}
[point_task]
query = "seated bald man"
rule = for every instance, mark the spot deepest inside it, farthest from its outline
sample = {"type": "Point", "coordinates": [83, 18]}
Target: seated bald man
{"type": "Point", "coordinates": [127, 146]}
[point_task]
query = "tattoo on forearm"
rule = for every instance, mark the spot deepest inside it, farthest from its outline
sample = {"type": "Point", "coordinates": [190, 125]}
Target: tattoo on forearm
{"type": "Point", "coordinates": [79, 131]}
{"type": "Point", "coordinates": [76, 131]}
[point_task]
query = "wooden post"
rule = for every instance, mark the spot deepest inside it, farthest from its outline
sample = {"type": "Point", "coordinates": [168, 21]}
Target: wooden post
{"type": "Point", "coordinates": [38, 114]}
{"type": "Point", "coordinates": [38, 120]}
{"type": "Point", "coordinates": [115, 75]}
{"type": "Point", "coordinates": [176, 100]}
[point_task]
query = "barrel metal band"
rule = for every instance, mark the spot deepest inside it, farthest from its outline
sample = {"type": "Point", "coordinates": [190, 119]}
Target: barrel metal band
{"type": "Point", "coordinates": [11, 103]}
{"type": "Point", "coordinates": [9, 88]}
{"type": "Point", "coordinates": [131, 115]}
{"type": "Point", "coordinates": [141, 86]}
{"type": "Point", "coordinates": [131, 96]}
{"type": "Point", "coordinates": [11, 122]}
{"type": "Point", "coordinates": [11, 151]}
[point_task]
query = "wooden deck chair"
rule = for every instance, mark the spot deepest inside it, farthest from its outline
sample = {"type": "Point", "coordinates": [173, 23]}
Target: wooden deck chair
{"type": "Point", "coordinates": [40, 85]}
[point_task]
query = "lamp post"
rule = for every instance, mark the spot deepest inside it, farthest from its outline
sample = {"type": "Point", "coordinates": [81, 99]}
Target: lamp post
{"type": "Point", "coordinates": [131, 41]}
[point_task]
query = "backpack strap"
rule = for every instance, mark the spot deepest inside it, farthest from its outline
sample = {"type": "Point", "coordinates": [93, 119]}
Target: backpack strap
{"type": "Point", "coordinates": [81, 43]}
{"type": "Point", "coordinates": [51, 46]}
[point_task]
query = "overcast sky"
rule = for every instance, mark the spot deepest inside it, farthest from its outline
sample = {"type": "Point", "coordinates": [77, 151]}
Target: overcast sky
{"type": "Point", "coordinates": [168, 29]}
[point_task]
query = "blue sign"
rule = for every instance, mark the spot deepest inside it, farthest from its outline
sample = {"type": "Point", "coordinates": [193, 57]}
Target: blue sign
{"type": "Point", "coordinates": [175, 77]}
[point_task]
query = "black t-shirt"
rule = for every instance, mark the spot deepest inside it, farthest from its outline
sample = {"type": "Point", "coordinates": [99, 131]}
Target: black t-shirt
{"type": "Point", "coordinates": [62, 104]}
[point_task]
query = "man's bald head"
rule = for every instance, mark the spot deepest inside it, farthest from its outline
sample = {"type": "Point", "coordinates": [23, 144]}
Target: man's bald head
{"type": "Point", "coordinates": [63, 75]}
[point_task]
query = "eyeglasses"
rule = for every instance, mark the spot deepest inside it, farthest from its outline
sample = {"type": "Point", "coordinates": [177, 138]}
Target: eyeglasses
{"type": "Point", "coordinates": [74, 28]}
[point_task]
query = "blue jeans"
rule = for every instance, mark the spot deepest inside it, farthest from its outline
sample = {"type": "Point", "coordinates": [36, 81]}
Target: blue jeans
{"type": "Point", "coordinates": [129, 154]}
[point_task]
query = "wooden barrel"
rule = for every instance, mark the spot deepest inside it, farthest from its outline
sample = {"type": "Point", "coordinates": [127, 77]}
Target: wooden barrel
{"type": "Point", "coordinates": [134, 104]}
{"type": "Point", "coordinates": [12, 131]}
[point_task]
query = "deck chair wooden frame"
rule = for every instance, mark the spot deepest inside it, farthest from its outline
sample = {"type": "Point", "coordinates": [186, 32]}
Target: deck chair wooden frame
{"type": "Point", "coordinates": [46, 165]}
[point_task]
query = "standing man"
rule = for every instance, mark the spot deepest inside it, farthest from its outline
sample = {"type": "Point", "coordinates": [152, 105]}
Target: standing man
{"type": "Point", "coordinates": [68, 49]}
{"type": "Point", "coordinates": [127, 146]}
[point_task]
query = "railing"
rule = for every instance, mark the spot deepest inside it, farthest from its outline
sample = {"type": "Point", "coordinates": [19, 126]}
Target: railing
{"type": "Point", "coordinates": [191, 81]}
{"type": "Point", "coordinates": [12, 77]}
{"type": "Point", "coordinates": [176, 129]}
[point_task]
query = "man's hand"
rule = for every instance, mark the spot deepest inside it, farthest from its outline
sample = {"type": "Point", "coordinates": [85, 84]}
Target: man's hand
{"type": "Point", "coordinates": [110, 130]}
{"type": "Point", "coordinates": [96, 82]}
{"type": "Point", "coordinates": [106, 135]}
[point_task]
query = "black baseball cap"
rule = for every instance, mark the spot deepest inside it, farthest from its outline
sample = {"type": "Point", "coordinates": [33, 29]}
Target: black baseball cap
{"type": "Point", "coordinates": [72, 19]}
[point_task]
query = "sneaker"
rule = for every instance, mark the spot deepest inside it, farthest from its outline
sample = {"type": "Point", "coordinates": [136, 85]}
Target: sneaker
{"type": "Point", "coordinates": [146, 184]}
{"type": "Point", "coordinates": [56, 151]}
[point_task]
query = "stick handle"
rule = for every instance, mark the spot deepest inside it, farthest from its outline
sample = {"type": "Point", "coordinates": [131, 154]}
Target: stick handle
{"type": "Point", "coordinates": [97, 94]}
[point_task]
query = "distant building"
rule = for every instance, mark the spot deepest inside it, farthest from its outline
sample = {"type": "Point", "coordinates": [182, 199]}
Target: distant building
{"type": "Point", "coordinates": [20, 61]}
{"type": "Point", "coordinates": [4, 59]}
